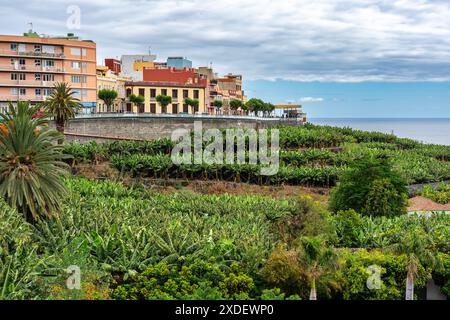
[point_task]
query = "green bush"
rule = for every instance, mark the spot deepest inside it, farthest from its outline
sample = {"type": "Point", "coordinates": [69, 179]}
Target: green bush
{"type": "Point", "coordinates": [370, 182]}
{"type": "Point", "coordinates": [19, 261]}
{"type": "Point", "coordinates": [440, 194]}
{"type": "Point", "coordinates": [384, 199]}
{"type": "Point", "coordinates": [354, 274]}
{"type": "Point", "coordinates": [197, 280]}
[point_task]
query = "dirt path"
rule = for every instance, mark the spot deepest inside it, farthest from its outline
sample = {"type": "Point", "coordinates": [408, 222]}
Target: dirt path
{"type": "Point", "coordinates": [423, 204]}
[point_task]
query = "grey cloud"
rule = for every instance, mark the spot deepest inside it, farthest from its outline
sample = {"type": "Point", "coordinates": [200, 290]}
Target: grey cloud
{"type": "Point", "coordinates": [321, 40]}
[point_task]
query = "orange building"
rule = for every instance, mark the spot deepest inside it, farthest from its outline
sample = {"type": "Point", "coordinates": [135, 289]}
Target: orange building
{"type": "Point", "coordinates": [30, 65]}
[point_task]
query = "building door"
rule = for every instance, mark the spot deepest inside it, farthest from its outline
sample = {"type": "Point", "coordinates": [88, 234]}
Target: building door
{"type": "Point", "coordinates": [141, 108]}
{"type": "Point", "coordinates": [153, 107]}
{"type": "Point", "coordinates": [129, 107]}
{"type": "Point", "coordinates": [175, 108]}
{"type": "Point", "coordinates": [185, 108]}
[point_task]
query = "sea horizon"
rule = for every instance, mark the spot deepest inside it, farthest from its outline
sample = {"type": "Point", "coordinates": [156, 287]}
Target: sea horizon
{"type": "Point", "coordinates": [425, 130]}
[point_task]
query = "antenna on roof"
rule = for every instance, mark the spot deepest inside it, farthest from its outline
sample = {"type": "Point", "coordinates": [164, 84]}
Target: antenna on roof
{"type": "Point", "coordinates": [149, 51]}
{"type": "Point", "coordinates": [31, 27]}
{"type": "Point", "coordinates": [210, 65]}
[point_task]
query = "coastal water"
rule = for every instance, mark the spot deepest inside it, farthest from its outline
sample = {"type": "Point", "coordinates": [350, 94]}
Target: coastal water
{"type": "Point", "coordinates": [436, 131]}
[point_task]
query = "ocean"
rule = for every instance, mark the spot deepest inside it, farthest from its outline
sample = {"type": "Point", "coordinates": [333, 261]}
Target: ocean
{"type": "Point", "coordinates": [436, 131]}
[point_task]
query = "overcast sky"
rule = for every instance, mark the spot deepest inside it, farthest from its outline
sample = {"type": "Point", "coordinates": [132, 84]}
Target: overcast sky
{"type": "Point", "coordinates": [330, 41]}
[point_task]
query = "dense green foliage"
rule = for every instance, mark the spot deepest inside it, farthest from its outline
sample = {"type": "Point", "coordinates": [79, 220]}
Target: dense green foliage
{"type": "Point", "coordinates": [441, 194]}
{"type": "Point", "coordinates": [371, 187]}
{"type": "Point", "coordinates": [311, 155]}
{"type": "Point", "coordinates": [131, 243]}
{"type": "Point", "coordinates": [134, 243]}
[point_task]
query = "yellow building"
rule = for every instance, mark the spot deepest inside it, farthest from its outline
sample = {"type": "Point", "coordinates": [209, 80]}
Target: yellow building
{"type": "Point", "coordinates": [106, 79]}
{"type": "Point", "coordinates": [179, 92]}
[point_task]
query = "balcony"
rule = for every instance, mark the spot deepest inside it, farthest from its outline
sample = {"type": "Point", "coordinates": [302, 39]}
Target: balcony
{"type": "Point", "coordinates": [28, 83]}
{"type": "Point", "coordinates": [32, 69]}
{"type": "Point", "coordinates": [31, 54]}
{"type": "Point", "coordinates": [22, 98]}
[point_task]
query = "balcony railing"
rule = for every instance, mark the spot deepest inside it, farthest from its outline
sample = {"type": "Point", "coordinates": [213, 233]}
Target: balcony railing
{"type": "Point", "coordinates": [31, 68]}
{"type": "Point", "coordinates": [31, 54]}
{"type": "Point", "coordinates": [22, 98]}
{"type": "Point", "coordinates": [33, 83]}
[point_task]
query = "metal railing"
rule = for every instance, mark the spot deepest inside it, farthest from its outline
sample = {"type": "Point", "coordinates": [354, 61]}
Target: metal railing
{"type": "Point", "coordinates": [22, 98]}
{"type": "Point", "coordinates": [31, 54]}
{"type": "Point", "coordinates": [30, 68]}
{"type": "Point", "coordinates": [181, 115]}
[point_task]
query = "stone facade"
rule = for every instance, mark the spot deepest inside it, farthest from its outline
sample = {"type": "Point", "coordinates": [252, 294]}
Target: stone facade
{"type": "Point", "coordinates": [150, 128]}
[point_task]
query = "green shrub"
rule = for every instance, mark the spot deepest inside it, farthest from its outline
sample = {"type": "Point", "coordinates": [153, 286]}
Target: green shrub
{"type": "Point", "coordinates": [360, 186]}
{"type": "Point", "coordinates": [384, 199]}
{"type": "Point", "coordinates": [354, 275]}
{"type": "Point", "coordinates": [440, 194]}
{"type": "Point", "coordinates": [199, 279]}
{"type": "Point", "coordinates": [19, 262]}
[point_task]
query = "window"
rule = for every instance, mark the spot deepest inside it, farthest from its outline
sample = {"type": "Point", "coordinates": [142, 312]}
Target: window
{"type": "Point", "coordinates": [128, 92]}
{"type": "Point", "coordinates": [75, 51]}
{"type": "Point", "coordinates": [13, 46]}
{"type": "Point", "coordinates": [48, 63]}
{"type": "Point", "coordinates": [37, 48]}
{"type": "Point", "coordinates": [38, 92]}
{"type": "Point", "coordinates": [22, 91]}
{"type": "Point", "coordinates": [79, 79]}
{"type": "Point", "coordinates": [37, 76]}
{"type": "Point", "coordinates": [37, 62]}
{"type": "Point", "coordinates": [47, 92]}
{"type": "Point", "coordinates": [175, 93]}
{"type": "Point", "coordinates": [18, 76]}
{"type": "Point", "coordinates": [142, 92]}
{"type": "Point", "coordinates": [153, 107]}
{"type": "Point", "coordinates": [83, 52]}
{"type": "Point", "coordinates": [13, 61]}
{"type": "Point", "coordinates": [152, 93]}
{"type": "Point", "coordinates": [48, 77]}
{"type": "Point", "coordinates": [22, 62]}
{"type": "Point", "coordinates": [185, 94]}
{"type": "Point", "coordinates": [164, 92]}
{"type": "Point", "coordinates": [84, 65]}
{"type": "Point", "coordinates": [195, 94]}
{"type": "Point", "coordinates": [75, 65]}
{"type": "Point", "coordinates": [14, 91]}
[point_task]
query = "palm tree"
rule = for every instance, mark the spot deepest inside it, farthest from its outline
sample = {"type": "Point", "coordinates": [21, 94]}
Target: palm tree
{"type": "Point", "coordinates": [30, 163]}
{"type": "Point", "coordinates": [315, 260]}
{"type": "Point", "coordinates": [61, 105]}
{"type": "Point", "coordinates": [418, 250]}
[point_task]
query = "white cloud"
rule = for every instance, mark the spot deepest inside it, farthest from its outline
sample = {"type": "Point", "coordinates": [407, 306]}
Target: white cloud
{"type": "Point", "coordinates": [310, 99]}
{"type": "Point", "coordinates": [320, 40]}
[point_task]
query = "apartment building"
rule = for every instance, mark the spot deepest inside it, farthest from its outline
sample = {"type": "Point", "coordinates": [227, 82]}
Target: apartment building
{"type": "Point", "coordinates": [107, 79]}
{"type": "Point", "coordinates": [179, 92]}
{"type": "Point", "coordinates": [30, 65]}
{"type": "Point", "coordinates": [133, 65]}
{"type": "Point", "coordinates": [224, 89]}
